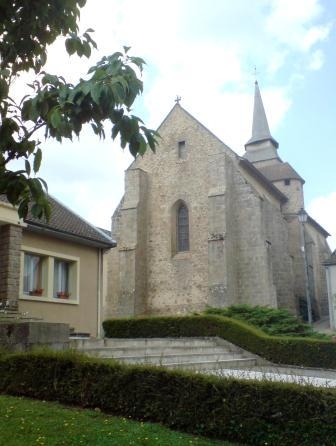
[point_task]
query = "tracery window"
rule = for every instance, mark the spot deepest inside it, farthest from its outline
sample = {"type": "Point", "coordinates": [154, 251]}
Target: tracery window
{"type": "Point", "coordinates": [182, 228]}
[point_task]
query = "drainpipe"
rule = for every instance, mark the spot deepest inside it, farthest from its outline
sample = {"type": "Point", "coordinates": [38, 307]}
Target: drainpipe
{"type": "Point", "coordinates": [99, 291]}
{"type": "Point", "coordinates": [330, 299]}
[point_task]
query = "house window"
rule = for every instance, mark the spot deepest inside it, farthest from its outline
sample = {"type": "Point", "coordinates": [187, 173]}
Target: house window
{"type": "Point", "coordinates": [48, 277]}
{"type": "Point", "coordinates": [33, 275]}
{"type": "Point", "coordinates": [182, 150]}
{"type": "Point", "coordinates": [182, 228]}
{"type": "Point", "coordinates": [61, 278]}
{"type": "Point", "coordinates": [287, 182]}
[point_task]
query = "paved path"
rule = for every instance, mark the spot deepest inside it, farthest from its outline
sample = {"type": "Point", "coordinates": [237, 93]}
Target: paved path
{"type": "Point", "coordinates": [298, 375]}
{"type": "Point", "coordinates": [323, 326]}
{"type": "Point", "coordinates": [311, 377]}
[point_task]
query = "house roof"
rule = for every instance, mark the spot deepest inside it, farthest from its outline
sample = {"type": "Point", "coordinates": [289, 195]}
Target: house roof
{"type": "Point", "coordinates": [66, 224]}
{"type": "Point", "coordinates": [280, 171]}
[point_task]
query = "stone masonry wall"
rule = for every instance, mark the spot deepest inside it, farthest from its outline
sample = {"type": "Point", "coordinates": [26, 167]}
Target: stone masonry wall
{"type": "Point", "coordinates": [113, 269]}
{"type": "Point", "coordinates": [238, 237]}
{"type": "Point", "coordinates": [128, 292]}
{"type": "Point", "coordinates": [318, 252]}
{"type": "Point", "coordinates": [254, 266]}
{"type": "Point", "coordinates": [282, 264]}
{"type": "Point", "coordinates": [10, 247]}
{"type": "Point", "coordinates": [178, 281]}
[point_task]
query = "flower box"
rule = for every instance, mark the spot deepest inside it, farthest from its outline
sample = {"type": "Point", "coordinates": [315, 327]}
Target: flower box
{"type": "Point", "coordinates": [63, 294]}
{"type": "Point", "coordinates": [36, 292]}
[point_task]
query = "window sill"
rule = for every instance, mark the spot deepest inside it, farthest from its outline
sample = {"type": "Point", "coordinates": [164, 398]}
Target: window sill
{"type": "Point", "coordinates": [183, 255]}
{"type": "Point", "coordinates": [54, 300]}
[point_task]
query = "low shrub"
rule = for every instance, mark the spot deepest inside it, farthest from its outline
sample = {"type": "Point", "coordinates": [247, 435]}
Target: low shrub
{"type": "Point", "coordinates": [279, 322]}
{"type": "Point", "coordinates": [305, 352]}
{"type": "Point", "coordinates": [248, 412]}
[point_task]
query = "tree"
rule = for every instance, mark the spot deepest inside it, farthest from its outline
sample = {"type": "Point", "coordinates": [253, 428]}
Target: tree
{"type": "Point", "coordinates": [60, 108]}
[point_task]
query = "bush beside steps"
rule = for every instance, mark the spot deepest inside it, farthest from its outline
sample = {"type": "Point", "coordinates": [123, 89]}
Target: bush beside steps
{"type": "Point", "coordinates": [296, 351]}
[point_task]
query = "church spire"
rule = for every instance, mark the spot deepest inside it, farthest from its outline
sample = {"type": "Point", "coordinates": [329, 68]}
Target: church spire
{"type": "Point", "coordinates": [261, 145]}
{"type": "Point", "coordinates": [260, 129]}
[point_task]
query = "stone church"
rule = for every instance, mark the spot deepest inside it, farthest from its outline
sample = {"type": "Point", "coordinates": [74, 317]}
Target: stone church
{"type": "Point", "coordinates": [201, 226]}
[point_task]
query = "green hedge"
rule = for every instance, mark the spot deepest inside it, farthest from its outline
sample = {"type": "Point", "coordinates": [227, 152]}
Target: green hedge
{"type": "Point", "coordinates": [303, 352]}
{"type": "Point", "coordinates": [248, 412]}
{"type": "Point", "coordinates": [273, 321]}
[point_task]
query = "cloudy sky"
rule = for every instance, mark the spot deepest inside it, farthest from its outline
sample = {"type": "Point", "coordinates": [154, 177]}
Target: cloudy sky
{"type": "Point", "coordinates": [205, 51]}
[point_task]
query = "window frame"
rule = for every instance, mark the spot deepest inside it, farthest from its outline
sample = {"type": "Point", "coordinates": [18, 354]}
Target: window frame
{"type": "Point", "coordinates": [48, 289]}
{"type": "Point", "coordinates": [34, 280]}
{"type": "Point", "coordinates": [175, 247]}
{"type": "Point", "coordinates": [182, 228]}
{"type": "Point", "coordinates": [182, 149]}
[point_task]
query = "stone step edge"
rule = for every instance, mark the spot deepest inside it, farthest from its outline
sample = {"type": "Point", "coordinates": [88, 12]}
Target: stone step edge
{"type": "Point", "coordinates": [221, 361]}
{"type": "Point", "coordinates": [186, 355]}
{"type": "Point", "coordinates": [162, 350]}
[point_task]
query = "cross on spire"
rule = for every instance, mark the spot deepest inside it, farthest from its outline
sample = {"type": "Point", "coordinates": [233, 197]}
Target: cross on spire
{"type": "Point", "coordinates": [255, 73]}
{"type": "Point", "coordinates": [177, 100]}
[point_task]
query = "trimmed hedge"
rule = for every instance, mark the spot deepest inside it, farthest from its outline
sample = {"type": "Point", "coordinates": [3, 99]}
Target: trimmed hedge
{"type": "Point", "coordinates": [249, 412]}
{"type": "Point", "coordinates": [273, 321]}
{"type": "Point", "coordinates": [303, 352]}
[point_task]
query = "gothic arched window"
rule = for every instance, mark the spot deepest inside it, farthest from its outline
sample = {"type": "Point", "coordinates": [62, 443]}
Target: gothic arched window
{"type": "Point", "coordinates": [182, 228]}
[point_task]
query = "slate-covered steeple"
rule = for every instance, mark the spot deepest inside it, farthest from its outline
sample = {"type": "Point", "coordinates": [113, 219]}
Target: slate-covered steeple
{"type": "Point", "coordinates": [261, 146]}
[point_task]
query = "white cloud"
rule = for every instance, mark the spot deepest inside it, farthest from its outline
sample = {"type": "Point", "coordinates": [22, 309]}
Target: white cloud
{"type": "Point", "coordinates": [316, 61]}
{"type": "Point", "coordinates": [291, 23]}
{"type": "Point", "coordinates": [206, 55]}
{"type": "Point", "coordinates": [323, 209]}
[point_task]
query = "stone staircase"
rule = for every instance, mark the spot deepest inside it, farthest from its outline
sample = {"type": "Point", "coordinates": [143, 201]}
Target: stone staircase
{"type": "Point", "coordinates": [186, 353]}
{"type": "Point", "coordinates": [9, 312]}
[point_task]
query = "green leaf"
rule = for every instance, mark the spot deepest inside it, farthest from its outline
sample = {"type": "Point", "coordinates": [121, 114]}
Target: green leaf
{"type": "Point", "coordinates": [27, 167]}
{"type": "Point", "coordinates": [115, 131]}
{"type": "Point", "coordinates": [4, 87]}
{"type": "Point", "coordinates": [118, 93]}
{"type": "Point", "coordinates": [37, 160]}
{"type": "Point", "coordinates": [70, 45]}
{"type": "Point", "coordinates": [50, 79]}
{"type": "Point", "coordinates": [37, 211]}
{"type": "Point", "coordinates": [96, 92]}
{"type": "Point", "coordinates": [55, 118]}
{"type": "Point", "coordinates": [86, 49]}
{"type": "Point", "coordinates": [45, 185]}
{"type": "Point", "coordinates": [23, 208]}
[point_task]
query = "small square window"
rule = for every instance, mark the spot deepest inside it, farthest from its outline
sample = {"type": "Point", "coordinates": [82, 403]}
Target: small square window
{"type": "Point", "coordinates": [287, 182]}
{"type": "Point", "coordinates": [182, 150]}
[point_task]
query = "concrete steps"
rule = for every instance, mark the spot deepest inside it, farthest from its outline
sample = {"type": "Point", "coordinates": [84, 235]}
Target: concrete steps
{"type": "Point", "coordinates": [187, 353]}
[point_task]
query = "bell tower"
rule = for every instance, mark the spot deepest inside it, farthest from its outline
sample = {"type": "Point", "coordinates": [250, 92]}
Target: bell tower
{"type": "Point", "coordinates": [261, 148]}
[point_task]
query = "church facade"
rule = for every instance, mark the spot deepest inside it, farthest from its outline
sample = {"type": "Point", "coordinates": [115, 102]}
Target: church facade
{"type": "Point", "coordinates": [200, 226]}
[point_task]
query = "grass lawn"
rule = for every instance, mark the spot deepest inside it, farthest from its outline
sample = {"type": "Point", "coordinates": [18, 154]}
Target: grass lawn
{"type": "Point", "coordinates": [31, 422]}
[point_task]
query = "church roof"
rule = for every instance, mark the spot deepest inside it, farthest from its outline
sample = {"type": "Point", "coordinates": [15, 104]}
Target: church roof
{"type": "Point", "coordinates": [66, 224]}
{"type": "Point", "coordinates": [260, 128]}
{"type": "Point", "coordinates": [178, 105]}
{"type": "Point", "coordinates": [280, 171]}
{"type": "Point", "coordinates": [331, 260]}
{"type": "Point", "coordinates": [242, 161]}
{"type": "Point", "coordinates": [317, 226]}
{"type": "Point", "coordinates": [263, 179]}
